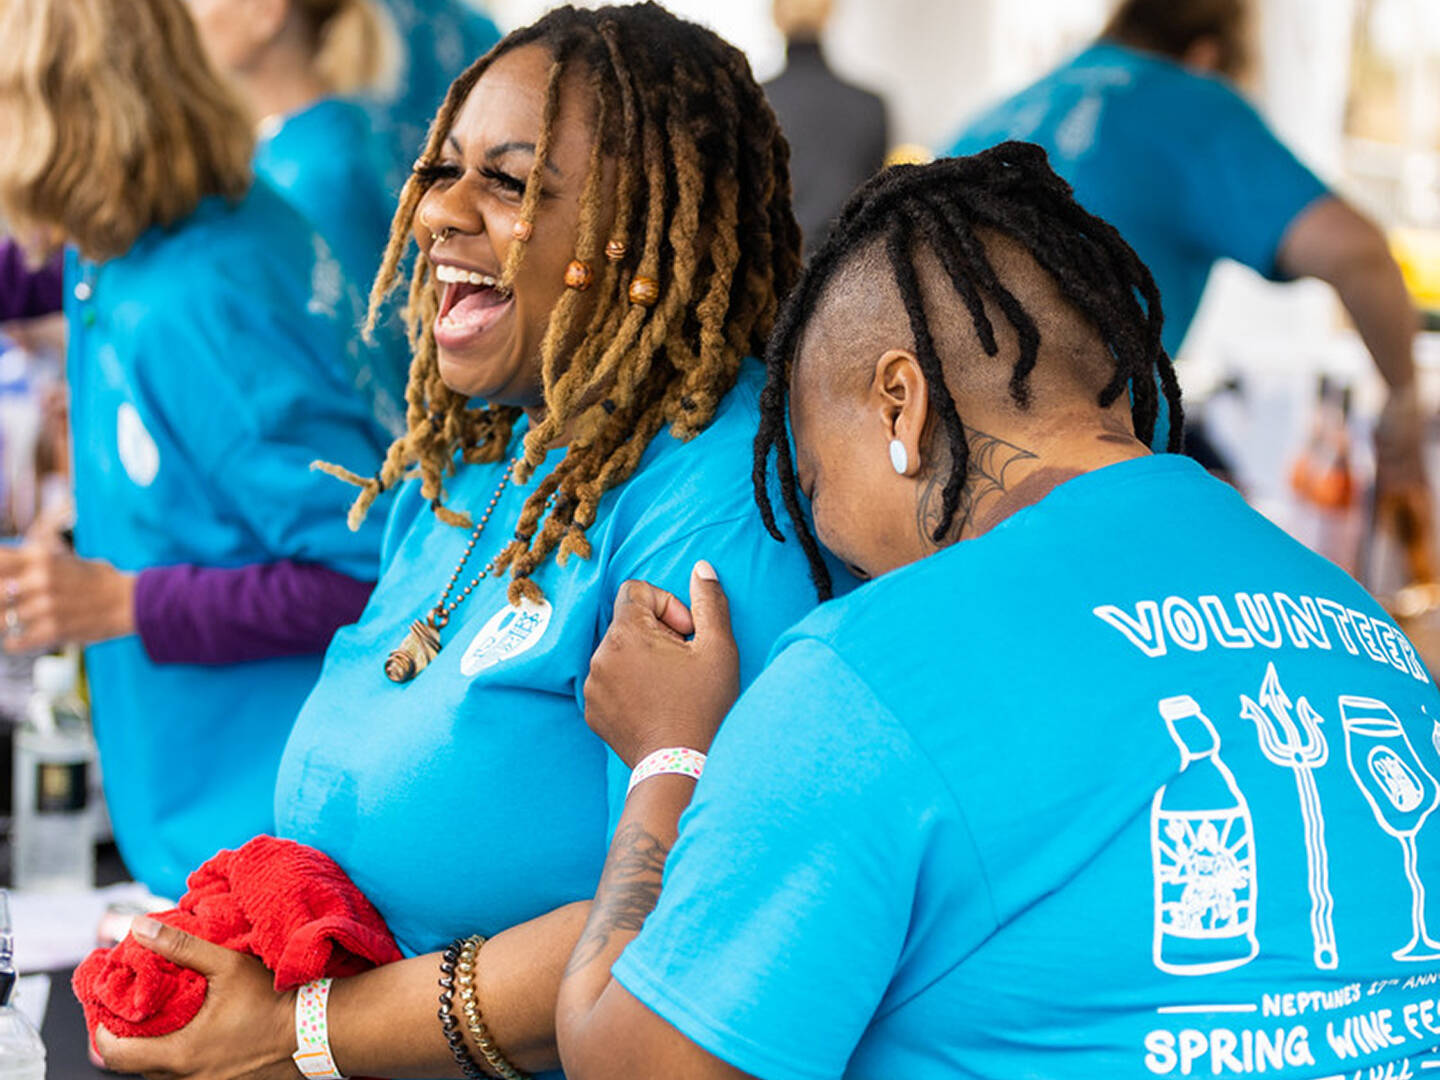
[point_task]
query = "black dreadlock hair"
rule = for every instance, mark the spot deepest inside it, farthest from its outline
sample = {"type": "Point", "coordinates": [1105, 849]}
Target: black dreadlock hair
{"type": "Point", "coordinates": [944, 206]}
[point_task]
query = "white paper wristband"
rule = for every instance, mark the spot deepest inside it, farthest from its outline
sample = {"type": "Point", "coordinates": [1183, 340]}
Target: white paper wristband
{"type": "Point", "coordinates": [312, 1032]}
{"type": "Point", "coordinates": [672, 761]}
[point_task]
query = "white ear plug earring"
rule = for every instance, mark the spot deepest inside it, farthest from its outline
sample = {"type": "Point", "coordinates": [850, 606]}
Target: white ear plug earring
{"type": "Point", "coordinates": [899, 458]}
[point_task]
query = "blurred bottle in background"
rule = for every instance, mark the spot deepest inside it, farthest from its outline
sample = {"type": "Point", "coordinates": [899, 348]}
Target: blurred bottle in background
{"type": "Point", "coordinates": [1323, 478]}
{"type": "Point", "coordinates": [1322, 474]}
{"type": "Point", "coordinates": [34, 431]}
{"type": "Point", "coordinates": [22, 1054]}
{"type": "Point", "coordinates": [35, 501]}
{"type": "Point", "coordinates": [53, 830]}
{"type": "Point", "coordinates": [20, 423]}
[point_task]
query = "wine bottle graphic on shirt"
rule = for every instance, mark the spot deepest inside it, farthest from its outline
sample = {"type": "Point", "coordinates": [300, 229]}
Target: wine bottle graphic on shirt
{"type": "Point", "coordinates": [1202, 842]}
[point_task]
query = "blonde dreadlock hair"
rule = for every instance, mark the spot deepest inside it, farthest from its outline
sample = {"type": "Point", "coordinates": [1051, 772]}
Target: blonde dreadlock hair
{"type": "Point", "coordinates": [694, 142]}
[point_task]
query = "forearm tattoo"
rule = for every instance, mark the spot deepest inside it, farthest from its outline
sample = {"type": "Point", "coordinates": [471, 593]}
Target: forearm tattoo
{"type": "Point", "coordinates": [991, 457]}
{"type": "Point", "coordinates": [629, 890]}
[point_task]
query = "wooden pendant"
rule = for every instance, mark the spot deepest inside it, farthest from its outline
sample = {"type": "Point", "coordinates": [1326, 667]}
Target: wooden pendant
{"type": "Point", "coordinates": [421, 645]}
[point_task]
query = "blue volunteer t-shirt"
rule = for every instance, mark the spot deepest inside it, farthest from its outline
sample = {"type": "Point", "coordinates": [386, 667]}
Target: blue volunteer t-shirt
{"type": "Point", "coordinates": [475, 797]}
{"type": "Point", "coordinates": [208, 367]}
{"type": "Point", "coordinates": [325, 162]}
{"type": "Point", "coordinates": [1131, 786]}
{"type": "Point", "coordinates": [1177, 161]}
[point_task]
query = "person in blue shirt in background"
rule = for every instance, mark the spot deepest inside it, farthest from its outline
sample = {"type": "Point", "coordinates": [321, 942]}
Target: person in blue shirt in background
{"type": "Point", "coordinates": [213, 354]}
{"type": "Point", "coordinates": [440, 39]}
{"type": "Point", "coordinates": [1101, 774]}
{"type": "Point", "coordinates": [304, 69]}
{"type": "Point", "coordinates": [602, 232]}
{"type": "Point", "coordinates": [1148, 127]}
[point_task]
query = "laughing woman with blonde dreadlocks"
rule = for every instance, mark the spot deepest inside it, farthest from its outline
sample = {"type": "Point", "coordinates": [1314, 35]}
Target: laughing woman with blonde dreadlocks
{"type": "Point", "coordinates": [604, 230]}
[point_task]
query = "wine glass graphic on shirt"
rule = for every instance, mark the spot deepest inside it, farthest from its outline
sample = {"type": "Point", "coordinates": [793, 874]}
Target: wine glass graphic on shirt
{"type": "Point", "coordinates": [1400, 792]}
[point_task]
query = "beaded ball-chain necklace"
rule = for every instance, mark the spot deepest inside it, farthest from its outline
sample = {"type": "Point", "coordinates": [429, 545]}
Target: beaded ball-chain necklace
{"type": "Point", "coordinates": [422, 643]}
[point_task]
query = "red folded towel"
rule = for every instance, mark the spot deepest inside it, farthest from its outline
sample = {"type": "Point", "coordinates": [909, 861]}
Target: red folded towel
{"type": "Point", "coordinates": [285, 903]}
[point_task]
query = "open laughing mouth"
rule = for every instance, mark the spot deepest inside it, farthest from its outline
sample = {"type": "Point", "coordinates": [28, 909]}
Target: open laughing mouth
{"type": "Point", "coordinates": [471, 303]}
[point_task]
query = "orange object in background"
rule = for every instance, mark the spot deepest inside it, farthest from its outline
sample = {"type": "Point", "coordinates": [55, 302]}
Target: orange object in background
{"type": "Point", "coordinates": [1322, 475]}
{"type": "Point", "coordinates": [1333, 486]}
{"type": "Point", "coordinates": [1409, 515]}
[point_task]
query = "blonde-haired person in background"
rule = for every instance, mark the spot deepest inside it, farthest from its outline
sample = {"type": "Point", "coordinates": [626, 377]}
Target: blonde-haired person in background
{"type": "Point", "coordinates": [302, 68]}
{"type": "Point", "coordinates": [212, 356]}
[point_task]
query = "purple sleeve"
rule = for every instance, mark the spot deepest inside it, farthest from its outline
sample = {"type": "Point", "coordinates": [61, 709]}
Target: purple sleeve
{"type": "Point", "coordinates": [26, 293]}
{"type": "Point", "coordinates": [204, 615]}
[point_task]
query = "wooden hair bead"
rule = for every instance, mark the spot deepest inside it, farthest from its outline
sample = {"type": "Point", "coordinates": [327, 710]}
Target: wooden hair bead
{"type": "Point", "coordinates": [522, 230]}
{"type": "Point", "coordinates": [578, 275]}
{"type": "Point", "coordinates": [615, 250]}
{"type": "Point", "coordinates": [644, 291]}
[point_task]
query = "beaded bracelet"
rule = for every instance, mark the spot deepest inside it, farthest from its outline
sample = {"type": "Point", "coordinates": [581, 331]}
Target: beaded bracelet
{"type": "Point", "coordinates": [453, 1035]}
{"type": "Point", "coordinates": [470, 1005]}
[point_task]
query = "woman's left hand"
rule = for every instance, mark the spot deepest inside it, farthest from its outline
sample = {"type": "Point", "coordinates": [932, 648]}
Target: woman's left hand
{"type": "Point", "coordinates": [649, 687]}
{"type": "Point", "coordinates": [245, 1029]}
{"type": "Point", "coordinates": [49, 596]}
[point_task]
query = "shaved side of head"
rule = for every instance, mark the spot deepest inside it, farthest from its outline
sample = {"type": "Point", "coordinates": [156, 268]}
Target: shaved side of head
{"type": "Point", "coordinates": [860, 315]}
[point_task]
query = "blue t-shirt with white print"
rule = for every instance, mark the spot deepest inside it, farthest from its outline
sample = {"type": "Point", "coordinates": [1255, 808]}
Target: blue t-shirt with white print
{"type": "Point", "coordinates": [1179, 162]}
{"type": "Point", "coordinates": [1131, 786]}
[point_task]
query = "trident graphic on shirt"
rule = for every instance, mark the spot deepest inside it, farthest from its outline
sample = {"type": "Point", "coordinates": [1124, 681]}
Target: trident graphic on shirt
{"type": "Point", "coordinates": [1302, 751]}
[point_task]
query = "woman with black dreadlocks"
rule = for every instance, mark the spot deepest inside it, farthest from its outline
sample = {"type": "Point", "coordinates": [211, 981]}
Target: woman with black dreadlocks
{"type": "Point", "coordinates": [603, 225]}
{"type": "Point", "coordinates": [1012, 809]}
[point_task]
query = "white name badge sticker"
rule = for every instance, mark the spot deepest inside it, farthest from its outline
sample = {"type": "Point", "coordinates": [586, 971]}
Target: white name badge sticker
{"type": "Point", "coordinates": [509, 632]}
{"type": "Point", "coordinates": [138, 452]}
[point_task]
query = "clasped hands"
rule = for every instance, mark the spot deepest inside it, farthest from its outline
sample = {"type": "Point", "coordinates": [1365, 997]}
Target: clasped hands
{"type": "Point", "coordinates": [665, 674]}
